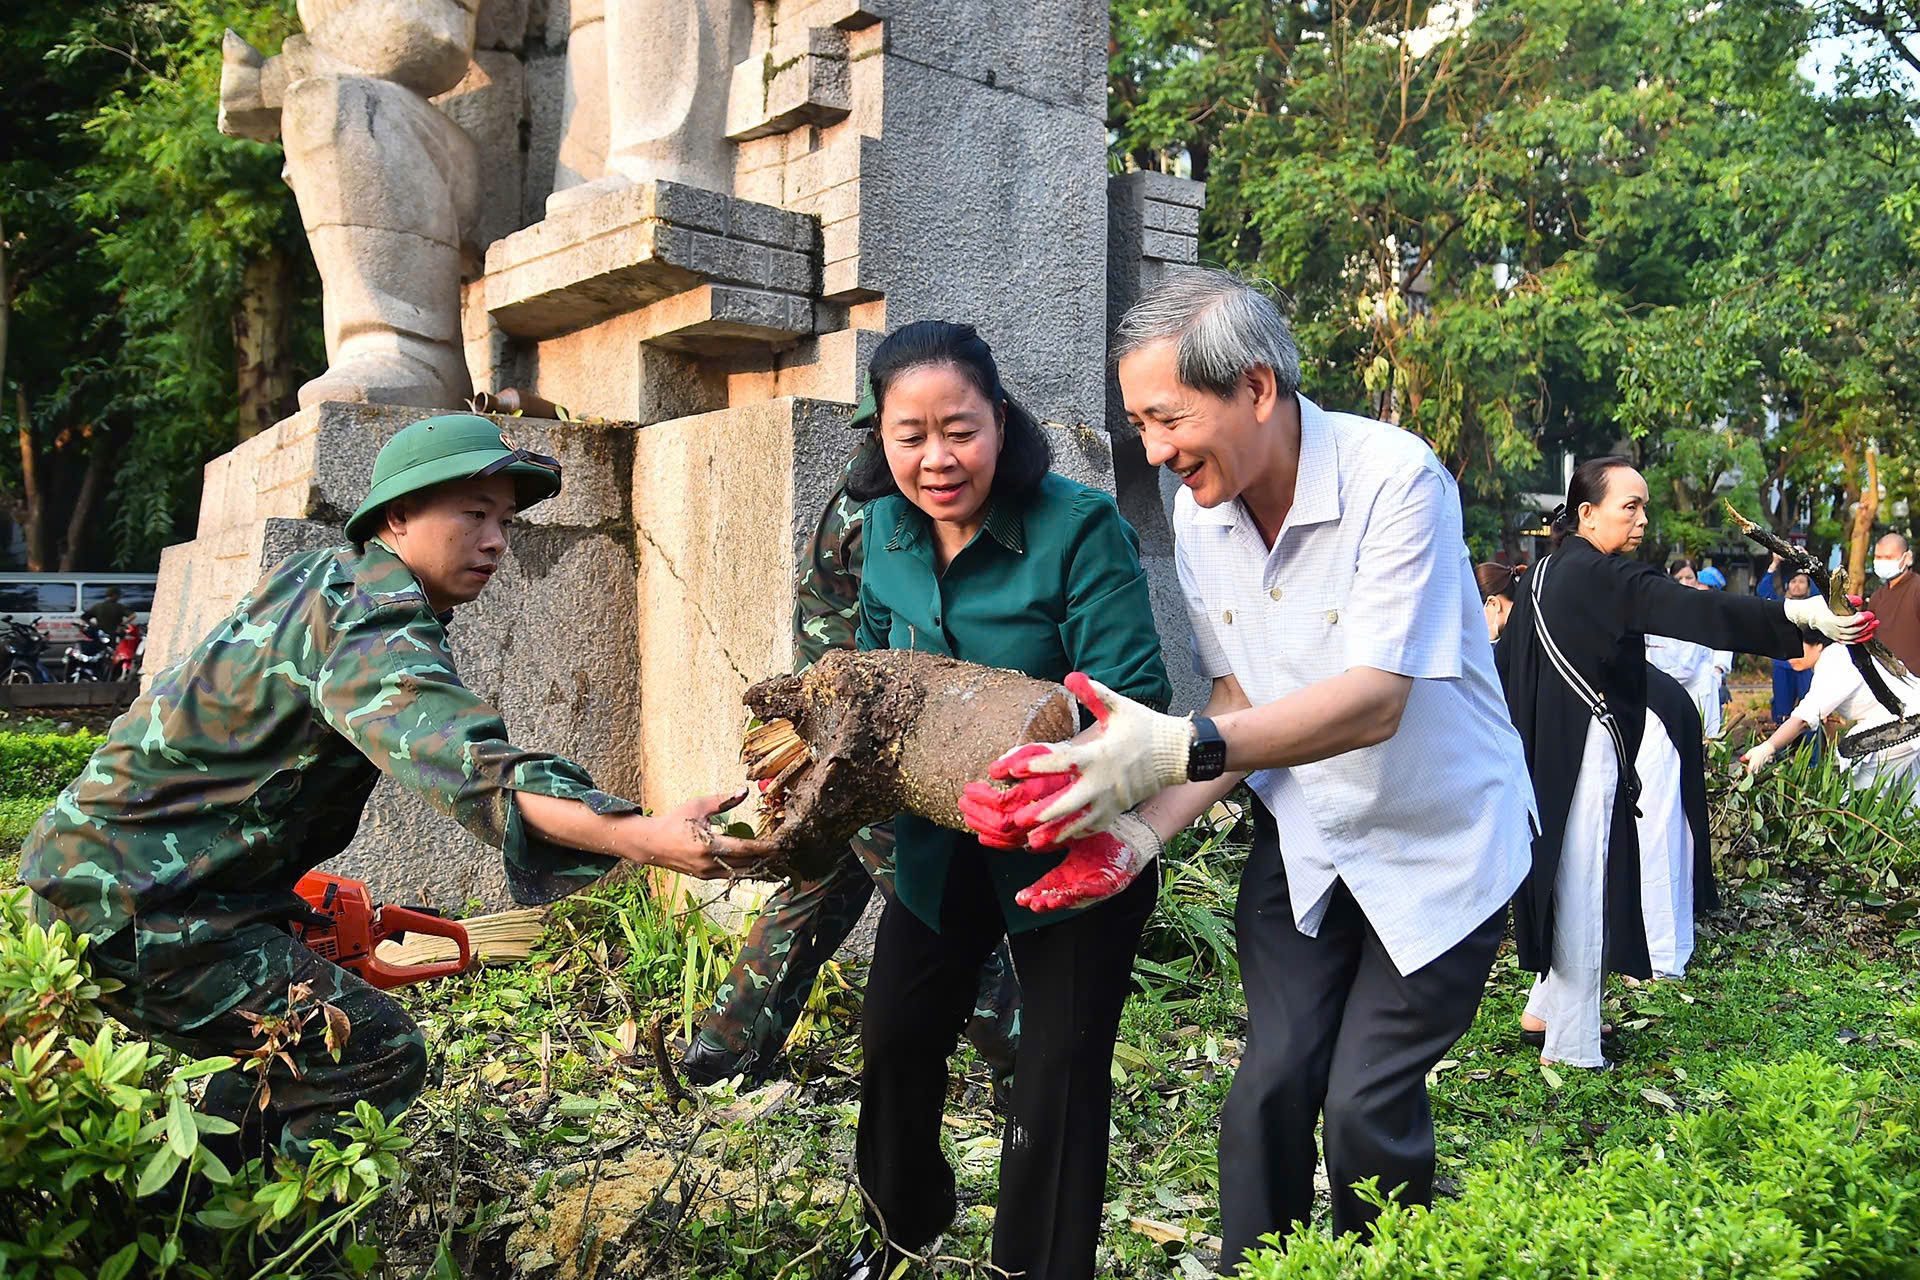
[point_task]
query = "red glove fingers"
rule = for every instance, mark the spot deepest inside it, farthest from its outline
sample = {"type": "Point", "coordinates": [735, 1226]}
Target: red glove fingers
{"type": "Point", "coordinates": [1080, 686]}
{"type": "Point", "coordinates": [1013, 764]}
{"type": "Point", "coordinates": [990, 810]}
{"type": "Point", "coordinates": [1043, 836]}
{"type": "Point", "coordinates": [1093, 869]}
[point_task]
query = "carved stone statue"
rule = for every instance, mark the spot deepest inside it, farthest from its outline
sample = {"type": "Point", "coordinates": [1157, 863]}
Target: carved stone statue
{"type": "Point", "coordinates": [651, 80]}
{"type": "Point", "coordinates": [387, 184]}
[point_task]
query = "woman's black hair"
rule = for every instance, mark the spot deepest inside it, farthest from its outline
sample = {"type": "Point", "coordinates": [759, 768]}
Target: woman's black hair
{"type": "Point", "coordinates": [1589, 484]}
{"type": "Point", "coordinates": [1024, 454]}
{"type": "Point", "coordinates": [1684, 562]}
{"type": "Point", "coordinates": [1496, 579]}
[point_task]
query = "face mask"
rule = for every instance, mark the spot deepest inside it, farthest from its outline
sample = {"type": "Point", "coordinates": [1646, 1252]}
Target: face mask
{"type": "Point", "coordinates": [1888, 570]}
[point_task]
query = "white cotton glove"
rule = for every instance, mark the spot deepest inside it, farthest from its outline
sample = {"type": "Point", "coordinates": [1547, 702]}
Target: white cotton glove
{"type": "Point", "coordinates": [1855, 628]}
{"type": "Point", "coordinates": [1137, 753]}
{"type": "Point", "coordinates": [1758, 756]}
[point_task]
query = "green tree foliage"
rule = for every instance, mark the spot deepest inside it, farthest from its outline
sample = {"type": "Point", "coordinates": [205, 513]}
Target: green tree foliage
{"type": "Point", "coordinates": [135, 233]}
{"type": "Point", "coordinates": [1556, 225]}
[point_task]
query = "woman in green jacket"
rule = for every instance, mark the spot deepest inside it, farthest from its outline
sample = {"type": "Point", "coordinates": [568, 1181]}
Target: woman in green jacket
{"type": "Point", "coordinates": [977, 551]}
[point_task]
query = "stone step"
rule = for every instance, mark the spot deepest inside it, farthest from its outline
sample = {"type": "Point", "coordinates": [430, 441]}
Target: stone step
{"type": "Point", "coordinates": [650, 243]}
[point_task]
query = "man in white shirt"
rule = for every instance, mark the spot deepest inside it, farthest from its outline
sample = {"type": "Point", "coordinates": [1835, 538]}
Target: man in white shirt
{"type": "Point", "coordinates": [1335, 610]}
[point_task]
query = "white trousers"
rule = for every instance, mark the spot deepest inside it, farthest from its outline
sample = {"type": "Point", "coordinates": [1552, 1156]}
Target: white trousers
{"type": "Point", "coordinates": [1666, 853]}
{"type": "Point", "coordinates": [1883, 768]}
{"type": "Point", "coordinates": [1567, 998]}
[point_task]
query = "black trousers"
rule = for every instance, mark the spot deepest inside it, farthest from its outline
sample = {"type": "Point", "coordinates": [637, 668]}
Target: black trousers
{"type": "Point", "coordinates": [1333, 1027]}
{"type": "Point", "coordinates": [1074, 977]}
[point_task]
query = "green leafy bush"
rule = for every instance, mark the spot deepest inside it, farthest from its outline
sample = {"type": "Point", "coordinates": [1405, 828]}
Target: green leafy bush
{"type": "Point", "coordinates": [40, 764]}
{"type": "Point", "coordinates": [104, 1166]}
{"type": "Point", "coordinates": [1806, 812]}
{"type": "Point", "coordinates": [1808, 1171]}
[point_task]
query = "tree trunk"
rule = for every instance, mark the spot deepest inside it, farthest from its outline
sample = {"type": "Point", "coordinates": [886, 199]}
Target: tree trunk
{"type": "Point", "coordinates": [31, 494]}
{"type": "Point", "coordinates": [262, 356]}
{"type": "Point", "coordinates": [91, 483]}
{"type": "Point", "coordinates": [1861, 535]}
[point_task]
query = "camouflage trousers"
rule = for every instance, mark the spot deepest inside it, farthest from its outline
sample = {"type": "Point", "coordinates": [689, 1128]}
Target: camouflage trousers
{"type": "Point", "coordinates": [798, 930]}
{"type": "Point", "coordinates": [212, 1008]}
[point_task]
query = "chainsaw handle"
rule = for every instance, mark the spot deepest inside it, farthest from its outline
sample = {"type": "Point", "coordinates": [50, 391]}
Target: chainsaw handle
{"type": "Point", "coordinates": [394, 921]}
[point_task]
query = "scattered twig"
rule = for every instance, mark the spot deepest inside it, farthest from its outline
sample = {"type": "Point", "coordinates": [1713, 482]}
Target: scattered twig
{"type": "Point", "coordinates": [669, 1078]}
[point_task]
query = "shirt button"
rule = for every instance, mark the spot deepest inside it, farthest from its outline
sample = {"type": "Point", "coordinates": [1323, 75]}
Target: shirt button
{"type": "Point", "coordinates": [1275, 593]}
{"type": "Point", "coordinates": [1227, 617]}
{"type": "Point", "coordinates": [1333, 616]}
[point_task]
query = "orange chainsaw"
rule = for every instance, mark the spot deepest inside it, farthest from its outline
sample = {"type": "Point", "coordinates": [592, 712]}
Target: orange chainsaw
{"type": "Point", "coordinates": [347, 926]}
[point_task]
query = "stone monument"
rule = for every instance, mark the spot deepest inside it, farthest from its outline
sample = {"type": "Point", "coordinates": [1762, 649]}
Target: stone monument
{"type": "Point", "coordinates": [387, 184]}
{"type": "Point", "coordinates": [697, 262]}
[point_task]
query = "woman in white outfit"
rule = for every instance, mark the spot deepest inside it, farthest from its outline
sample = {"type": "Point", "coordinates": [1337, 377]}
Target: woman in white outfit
{"type": "Point", "coordinates": [1698, 668]}
{"type": "Point", "coordinates": [1573, 662]}
{"type": "Point", "coordinates": [1839, 690]}
{"type": "Point", "coordinates": [1676, 871]}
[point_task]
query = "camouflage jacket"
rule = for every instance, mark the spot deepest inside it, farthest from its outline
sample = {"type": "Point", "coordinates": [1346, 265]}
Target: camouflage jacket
{"type": "Point", "coordinates": [826, 608]}
{"type": "Point", "coordinates": [249, 762]}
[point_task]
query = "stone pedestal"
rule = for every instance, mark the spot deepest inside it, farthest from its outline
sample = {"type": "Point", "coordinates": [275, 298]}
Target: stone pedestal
{"type": "Point", "coordinates": [1153, 226]}
{"type": "Point", "coordinates": [721, 505]}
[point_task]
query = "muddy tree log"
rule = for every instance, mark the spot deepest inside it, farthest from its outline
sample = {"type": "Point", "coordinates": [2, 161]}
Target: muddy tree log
{"type": "Point", "coordinates": [863, 736]}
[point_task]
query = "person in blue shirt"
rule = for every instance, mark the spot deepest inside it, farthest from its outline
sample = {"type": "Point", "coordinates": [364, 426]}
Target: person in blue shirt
{"type": "Point", "coordinates": [1790, 679]}
{"type": "Point", "coordinates": [975, 550]}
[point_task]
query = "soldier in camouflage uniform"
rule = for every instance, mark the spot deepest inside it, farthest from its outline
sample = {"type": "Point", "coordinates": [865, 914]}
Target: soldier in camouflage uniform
{"type": "Point", "coordinates": [804, 921]}
{"type": "Point", "coordinates": [176, 850]}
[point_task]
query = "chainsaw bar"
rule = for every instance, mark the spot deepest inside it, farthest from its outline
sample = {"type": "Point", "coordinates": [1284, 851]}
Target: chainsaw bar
{"type": "Point", "coordinates": [1863, 742]}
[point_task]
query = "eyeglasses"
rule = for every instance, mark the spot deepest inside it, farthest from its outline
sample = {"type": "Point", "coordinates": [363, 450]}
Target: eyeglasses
{"type": "Point", "coordinates": [500, 464]}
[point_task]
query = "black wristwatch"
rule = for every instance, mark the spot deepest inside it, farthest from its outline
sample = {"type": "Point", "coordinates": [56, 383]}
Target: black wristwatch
{"type": "Point", "coordinates": [1207, 756]}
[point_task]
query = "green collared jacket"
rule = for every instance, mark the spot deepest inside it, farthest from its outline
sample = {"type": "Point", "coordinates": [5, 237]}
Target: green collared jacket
{"type": "Point", "coordinates": [249, 762]}
{"type": "Point", "coordinates": [1047, 587]}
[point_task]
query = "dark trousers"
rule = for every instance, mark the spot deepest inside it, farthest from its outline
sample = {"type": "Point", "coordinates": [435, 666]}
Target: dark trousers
{"type": "Point", "coordinates": [1074, 978]}
{"type": "Point", "coordinates": [1333, 1027]}
{"type": "Point", "coordinates": [798, 929]}
{"type": "Point", "coordinates": [207, 1009]}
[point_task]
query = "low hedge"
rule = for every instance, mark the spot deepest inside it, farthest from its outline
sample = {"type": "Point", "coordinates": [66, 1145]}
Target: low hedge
{"type": "Point", "coordinates": [41, 764]}
{"type": "Point", "coordinates": [1809, 1170]}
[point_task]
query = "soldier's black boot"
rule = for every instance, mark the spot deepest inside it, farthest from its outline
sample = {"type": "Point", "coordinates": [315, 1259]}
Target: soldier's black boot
{"type": "Point", "coordinates": [706, 1063]}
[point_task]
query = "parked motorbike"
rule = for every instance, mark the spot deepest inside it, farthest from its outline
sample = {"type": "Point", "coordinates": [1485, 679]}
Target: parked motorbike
{"type": "Point", "coordinates": [127, 654]}
{"type": "Point", "coordinates": [23, 645]}
{"type": "Point", "coordinates": [90, 657]}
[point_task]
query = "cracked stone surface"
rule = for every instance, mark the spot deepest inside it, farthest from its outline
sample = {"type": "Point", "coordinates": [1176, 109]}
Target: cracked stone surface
{"type": "Point", "coordinates": [721, 504]}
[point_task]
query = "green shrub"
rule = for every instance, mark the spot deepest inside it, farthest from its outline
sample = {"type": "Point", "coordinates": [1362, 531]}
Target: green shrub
{"type": "Point", "coordinates": [17, 816]}
{"type": "Point", "coordinates": [1806, 812]}
{"type": "Point", "coordinates": [104, 1171]}
{"type": "Point", "coordinates": [41, 764]}
{"type": "Point", "coordinates": [1808, 1171]}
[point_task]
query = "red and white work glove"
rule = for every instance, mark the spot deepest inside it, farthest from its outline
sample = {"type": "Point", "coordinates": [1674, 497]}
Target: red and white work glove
{"type": "Point", "coordinates": [991, 809]}
{"type": "Point", "coordinates": [1137, 753]}
{"type": "Point", "coordinates": [1812, 611]}
{"type": "Point", "coordinates": [1096, 867]}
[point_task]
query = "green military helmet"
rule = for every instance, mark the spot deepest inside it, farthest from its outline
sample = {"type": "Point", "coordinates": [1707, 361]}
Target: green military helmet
{"type": "Point", "coordinates": [453, 446]}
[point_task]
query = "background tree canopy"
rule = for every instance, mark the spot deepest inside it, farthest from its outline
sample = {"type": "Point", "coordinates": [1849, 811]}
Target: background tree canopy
{"type": "Point", "coordinates": [1569, 225]}
{"type": "Point", "coordinates": [1521, 228]}
{"type": "Point", "coordinates": [160, 298]}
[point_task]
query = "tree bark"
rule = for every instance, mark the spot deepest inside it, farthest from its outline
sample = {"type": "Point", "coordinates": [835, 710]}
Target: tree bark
{"type": "Point", "coordinates": [91, 483]}
{"type": "Point", "coordinates": [34, 521]}
{"type": "Point", "coordinates": [1861, 535]}
{"type": "Point", "coordinates": [262, 355]}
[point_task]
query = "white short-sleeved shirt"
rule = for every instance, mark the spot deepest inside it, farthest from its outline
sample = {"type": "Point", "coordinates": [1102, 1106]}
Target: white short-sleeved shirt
{"type": "Point", "coordinates": [1432, 829]}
